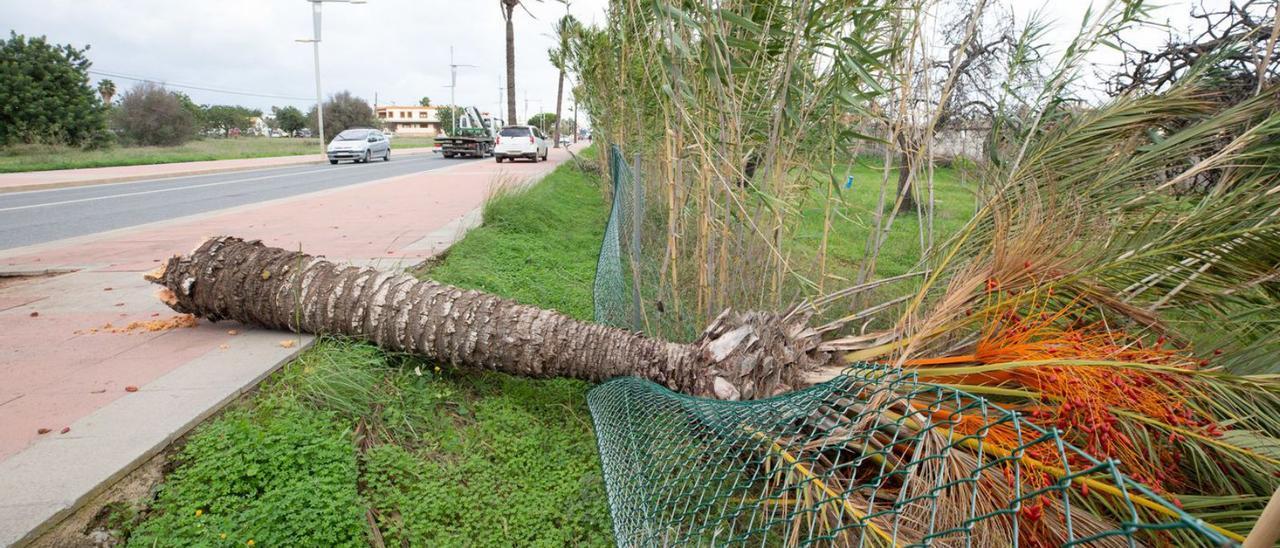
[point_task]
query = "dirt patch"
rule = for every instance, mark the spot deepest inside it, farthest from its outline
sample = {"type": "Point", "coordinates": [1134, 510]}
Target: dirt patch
{"type": "Point", "coordinates": [99, 521]}
{"type": "Point", "coordinates": [12, 280]}
{"type": "Point", "coordinates": [423, 269]}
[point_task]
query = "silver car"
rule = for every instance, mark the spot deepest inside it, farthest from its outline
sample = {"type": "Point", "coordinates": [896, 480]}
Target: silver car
{"type": "Point", "coordinates": [359, 145]}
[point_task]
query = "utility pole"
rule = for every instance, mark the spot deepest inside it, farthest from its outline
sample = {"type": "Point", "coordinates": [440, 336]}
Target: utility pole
{"type": "Point", "coordinates": [526, 105]}
{"type": "Point", "coordinates": [315, 49]}
{"type": "Point", "coordinates": [453, 88]}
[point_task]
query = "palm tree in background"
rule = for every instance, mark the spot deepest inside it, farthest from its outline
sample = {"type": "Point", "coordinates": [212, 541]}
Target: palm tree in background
{"type": "Point", "coordinates": [508, 10]}
{"type": "Point", "coordinates": [566, 28]}
{"type": "Point", "coordinates": [107, 89]}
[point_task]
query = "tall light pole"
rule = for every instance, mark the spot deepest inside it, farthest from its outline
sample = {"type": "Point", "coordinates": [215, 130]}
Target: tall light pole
{"type": "Point", "coordinates": [501, 89]}
{"type": "Point", "coordinates": [315, 48]}
{"type": "Point", "coordinates": [453, 87]}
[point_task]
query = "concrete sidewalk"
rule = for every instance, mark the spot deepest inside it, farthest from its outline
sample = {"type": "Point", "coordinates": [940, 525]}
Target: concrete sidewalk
{"type": "Point", "coordinates": [86, 398]}
{"type": "Point", "coordinates": [62, 178]}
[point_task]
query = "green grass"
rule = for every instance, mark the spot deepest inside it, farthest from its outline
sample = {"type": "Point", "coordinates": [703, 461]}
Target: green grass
{"type": "Point", "coordinates": [347, 433]}
{"type": "Point", "coordinates": [412, 142]}
{"type": "Point", "coordinates": [20, 158]}
{"type": "Point", "coordinates": [854, 219]}
{"type": "Point", "coordinates": [537, 246]}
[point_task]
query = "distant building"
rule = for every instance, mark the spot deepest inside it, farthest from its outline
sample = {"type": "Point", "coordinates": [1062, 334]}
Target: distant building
{"type": "Point", "coordinates": [260, 125]}
{"type": "Point", "coordinates": [408, 120]}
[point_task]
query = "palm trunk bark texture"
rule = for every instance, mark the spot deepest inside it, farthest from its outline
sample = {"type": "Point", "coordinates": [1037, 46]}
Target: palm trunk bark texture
{"type": "Point", "coordinates": [739, 356]}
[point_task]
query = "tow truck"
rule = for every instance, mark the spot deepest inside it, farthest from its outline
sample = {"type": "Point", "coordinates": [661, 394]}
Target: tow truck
{"type": "Point", "coordinates": [473, 138]}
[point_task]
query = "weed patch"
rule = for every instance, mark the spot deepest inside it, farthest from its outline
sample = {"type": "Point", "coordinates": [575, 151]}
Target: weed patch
{"type": "Point", "coordinates": [277, 473]}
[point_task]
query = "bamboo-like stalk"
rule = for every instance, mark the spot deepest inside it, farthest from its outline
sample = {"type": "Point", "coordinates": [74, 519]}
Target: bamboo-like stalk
{"type": "Point", "coordinates": [717, 112]}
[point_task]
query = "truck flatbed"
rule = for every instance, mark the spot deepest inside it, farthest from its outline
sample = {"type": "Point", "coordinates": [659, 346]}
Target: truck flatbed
{"type": "Point", "coordinates": [477, 146]}
{"type": "Point", "coordinates": [474, 142]}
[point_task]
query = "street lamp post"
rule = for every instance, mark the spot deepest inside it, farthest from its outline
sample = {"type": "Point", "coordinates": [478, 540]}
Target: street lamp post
{"type": "Point", "coordinates": [315, 48]}
{"type": "Point", "coordinates": [453, 87]}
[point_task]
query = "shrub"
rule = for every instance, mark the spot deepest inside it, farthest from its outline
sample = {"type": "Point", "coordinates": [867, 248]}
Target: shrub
{"type": "Point", "coordinates": [45, 97]}
{"type": "Point", "coordinates": [544, 121]}
{"type": "Point", "coordinates": [343, 111]}
{"type": "Point", "coordinates": [151, 115]}
{"type": "Point", "coordinates": [225, 118]}
{"type": "Point", "coordinates": [290, 119]}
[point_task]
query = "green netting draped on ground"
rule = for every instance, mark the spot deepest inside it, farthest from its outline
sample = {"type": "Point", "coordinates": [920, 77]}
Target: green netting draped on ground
{"type": "Point", "coordinates": [871, 458]}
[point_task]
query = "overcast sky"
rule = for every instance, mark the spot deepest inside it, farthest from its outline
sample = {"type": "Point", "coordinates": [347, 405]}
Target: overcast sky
{"type": "Point", "coordinates": [398, 49]}
{"type": "Point", "coordinates": [1065, 17]}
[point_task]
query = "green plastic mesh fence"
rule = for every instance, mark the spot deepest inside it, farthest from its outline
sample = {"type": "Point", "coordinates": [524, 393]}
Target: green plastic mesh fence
{"type": "Point", "coordinates": [871, 458]}
{"type": "Point", "coordinates": [616, 279]}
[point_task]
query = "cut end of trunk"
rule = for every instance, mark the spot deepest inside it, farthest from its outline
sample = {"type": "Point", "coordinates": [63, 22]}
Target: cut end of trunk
{"type": "Point", "coordinates": [167, 297]}
{"type": "Point", "coordinates": [156, 274]}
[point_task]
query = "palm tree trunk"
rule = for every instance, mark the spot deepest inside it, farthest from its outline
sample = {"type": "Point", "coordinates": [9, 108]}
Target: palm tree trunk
{"type": "Point", "coordinates": [559, 97]}
{"type": "Point", "coordinates": [905, 191]}
{"type": "Point", "coordinates": [508, 10]}
{"type": "Point", "coordinates": [745, 355]}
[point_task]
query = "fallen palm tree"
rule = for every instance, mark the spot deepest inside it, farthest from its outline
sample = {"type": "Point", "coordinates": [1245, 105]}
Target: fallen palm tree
{"type": "Point", "coordinates": [740, 355]}
{"type": "Point", "coordinates": [873, 454]}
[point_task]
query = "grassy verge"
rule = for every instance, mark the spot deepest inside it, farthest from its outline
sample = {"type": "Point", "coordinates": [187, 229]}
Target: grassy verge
{"type": "Point", "coordinates": [856, 201]}
{"type": "Point", "coordinates": [349, 445]}
{"type": "Point", "coordinates": [412, 142]}
{"type": "Point", "coordinates": [46, 157]}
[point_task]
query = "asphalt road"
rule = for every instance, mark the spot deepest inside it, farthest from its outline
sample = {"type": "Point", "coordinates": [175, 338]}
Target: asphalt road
{"type": "Point", "coordinates": [45, 215]}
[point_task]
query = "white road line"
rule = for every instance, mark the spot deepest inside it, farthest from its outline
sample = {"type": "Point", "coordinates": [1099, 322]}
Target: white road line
{"type": "Point", "coordinates": [159, 178]}
{"type": "Point", "coordinates": [175, 189]}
